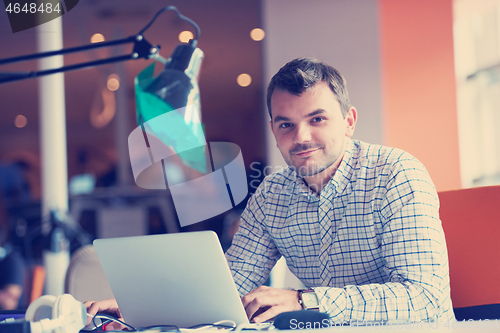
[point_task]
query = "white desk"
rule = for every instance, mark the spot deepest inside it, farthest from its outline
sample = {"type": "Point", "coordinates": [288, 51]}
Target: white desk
{"type": "Point", "coordinates": [436, 327]}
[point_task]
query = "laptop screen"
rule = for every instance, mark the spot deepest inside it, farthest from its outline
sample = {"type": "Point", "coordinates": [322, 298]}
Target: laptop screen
{"type": "Point", "coordinates": [171, 279]}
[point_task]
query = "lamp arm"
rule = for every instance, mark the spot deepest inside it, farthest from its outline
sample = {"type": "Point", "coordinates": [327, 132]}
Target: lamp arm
{"type": "Point", "coordinates": [28, 75]}
{"type": "Point", "coordinates": [142, 49]}
{"type": "Point", "coordinates": [66, 51]}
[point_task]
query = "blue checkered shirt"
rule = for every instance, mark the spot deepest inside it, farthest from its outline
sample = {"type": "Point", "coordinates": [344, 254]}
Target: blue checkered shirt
{"type": "Point", "coordinates": [370, 244]}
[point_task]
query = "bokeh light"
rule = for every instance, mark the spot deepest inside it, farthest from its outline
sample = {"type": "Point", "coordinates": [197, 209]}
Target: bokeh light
{"type": "Point", "coordinates": [96, 38]}
{"type": "Point", "coordinates": [113, 82]}
{"type": "Point", "coordinates": [20, 121]}
{"type": "Point", "coordinates": [257, 34]}
{"type": "Point", "coordinates": [185, 36]}
{"type": "Point", "coordinates": [244, 80]}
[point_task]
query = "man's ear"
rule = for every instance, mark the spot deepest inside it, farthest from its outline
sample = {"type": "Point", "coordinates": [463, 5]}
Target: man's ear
{"type": "Point", "coordinates": [351, 117]}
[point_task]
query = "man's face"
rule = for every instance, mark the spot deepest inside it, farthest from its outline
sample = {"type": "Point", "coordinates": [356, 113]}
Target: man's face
{"type": "Point", "coordinates": [310, 129]}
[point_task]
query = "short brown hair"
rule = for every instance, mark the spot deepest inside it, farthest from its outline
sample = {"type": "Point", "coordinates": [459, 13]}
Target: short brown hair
{"type": "Point", "coordinates": [301, 74]}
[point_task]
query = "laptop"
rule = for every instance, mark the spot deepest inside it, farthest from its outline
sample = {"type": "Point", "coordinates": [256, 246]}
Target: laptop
{"type": "Point", "coordinates": [177, 279]}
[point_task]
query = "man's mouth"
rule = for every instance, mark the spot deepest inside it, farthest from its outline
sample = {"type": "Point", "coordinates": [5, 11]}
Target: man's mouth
{"type": "Point", "coordinates": [306, 153]}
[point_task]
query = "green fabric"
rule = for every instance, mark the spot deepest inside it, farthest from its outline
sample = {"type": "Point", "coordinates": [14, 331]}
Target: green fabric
{"type": "Point", "coordinates": [173, 130]}
{"type": "Point", "coordinates": [148, 105]}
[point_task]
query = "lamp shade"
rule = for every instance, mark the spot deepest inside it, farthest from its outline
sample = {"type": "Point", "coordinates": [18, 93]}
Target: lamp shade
{"type": "Point", "coordinates": [177, 84]}
{"type": "Point", "coordinates": [168, 105]}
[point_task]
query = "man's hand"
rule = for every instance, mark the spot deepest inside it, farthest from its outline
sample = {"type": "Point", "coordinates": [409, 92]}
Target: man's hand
{"type": "Point", "coordinates": [108, 306]}
{"type": "Point", "coordinates": [264, 303]}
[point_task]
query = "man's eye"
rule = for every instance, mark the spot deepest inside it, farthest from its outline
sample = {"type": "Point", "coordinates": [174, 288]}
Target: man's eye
{"type": "Point", "coordinates": [317, 119]}
{"type": "Point", "coordinates": [285, 125]}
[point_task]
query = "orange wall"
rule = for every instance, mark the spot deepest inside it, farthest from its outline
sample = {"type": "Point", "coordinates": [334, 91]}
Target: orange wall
{"type": "Point", "coordinates": [418, 84]}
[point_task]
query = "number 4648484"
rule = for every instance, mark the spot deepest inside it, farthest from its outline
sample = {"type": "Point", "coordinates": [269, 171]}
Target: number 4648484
{"type": "Point", "coordinates": [33, 8]}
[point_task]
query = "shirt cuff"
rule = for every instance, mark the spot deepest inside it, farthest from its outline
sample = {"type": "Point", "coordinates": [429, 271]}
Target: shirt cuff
{"type": "Point", "coordinates": [332, 301]}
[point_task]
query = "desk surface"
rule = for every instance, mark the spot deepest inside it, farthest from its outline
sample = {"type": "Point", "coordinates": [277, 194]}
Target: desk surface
{"type": "Point", "coordinates": [456, 327]}
{"type": "Point", "coordinates": [478, 326]}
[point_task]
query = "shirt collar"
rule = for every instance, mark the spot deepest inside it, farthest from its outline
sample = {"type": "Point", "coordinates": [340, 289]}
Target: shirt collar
{"type": "Point", "coordinates": [344, 173]}
{"type": "Point", "coordinates": [337, 183]}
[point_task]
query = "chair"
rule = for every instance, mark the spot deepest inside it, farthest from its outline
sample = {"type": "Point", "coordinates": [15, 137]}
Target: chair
{"type": "Point", "coordinates": [34, 281]}
{"type": "Point", "coordinates": [85, 278]}
{"type": "Point", "coordinates": [37, 282]}
{"type": "Point", "coordinates": [471, 222]}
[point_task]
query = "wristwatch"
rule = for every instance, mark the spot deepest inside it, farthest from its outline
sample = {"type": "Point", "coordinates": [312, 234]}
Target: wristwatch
{"type": "Point", "coordinates": [308, 299]}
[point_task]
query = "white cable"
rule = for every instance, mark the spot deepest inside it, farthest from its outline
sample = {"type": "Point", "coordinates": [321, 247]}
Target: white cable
{"type": "Point", "coordinates": [226, 321]}
{"type": "Point", "coordinates": [221, 322]}
{"type": "Point", "coordinates": [257, 327]}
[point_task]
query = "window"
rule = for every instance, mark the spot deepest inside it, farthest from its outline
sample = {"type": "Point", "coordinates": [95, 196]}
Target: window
{"type": "Point", "coordinates": [477, 66]}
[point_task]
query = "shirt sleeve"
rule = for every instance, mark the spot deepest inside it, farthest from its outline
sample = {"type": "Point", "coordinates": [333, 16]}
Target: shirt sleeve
{"type": "Point", "coordinates": [414, 249]}
{"type": "Point", "coordinates": [252, 254]}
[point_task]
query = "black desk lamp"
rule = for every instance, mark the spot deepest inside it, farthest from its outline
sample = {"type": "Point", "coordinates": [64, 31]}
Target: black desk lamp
{"type": "Point", "coordinates": [176, 85]}
{"type": "Point", "coordinates": [179, 61]}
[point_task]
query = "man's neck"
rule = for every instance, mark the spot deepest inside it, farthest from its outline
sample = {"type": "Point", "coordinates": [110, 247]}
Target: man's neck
{"type": "Point", "coordinates": [317, 182]}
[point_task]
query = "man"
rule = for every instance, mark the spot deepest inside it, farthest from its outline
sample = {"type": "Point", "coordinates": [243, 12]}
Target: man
{"type": "Point", "coordinates": [358, 224]}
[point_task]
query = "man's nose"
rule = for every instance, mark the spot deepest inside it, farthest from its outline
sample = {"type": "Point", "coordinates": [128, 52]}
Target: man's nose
{"type": "Point", "coordinates": [302, 134]}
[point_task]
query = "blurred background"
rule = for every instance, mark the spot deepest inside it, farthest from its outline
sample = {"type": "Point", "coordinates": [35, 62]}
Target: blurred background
{"type": "Point", "coordinates": [424, 76]}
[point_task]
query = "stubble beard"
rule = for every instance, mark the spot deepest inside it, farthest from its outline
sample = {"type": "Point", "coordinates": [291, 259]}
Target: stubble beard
{"type": "Point", "coordinates": [310, 170]}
